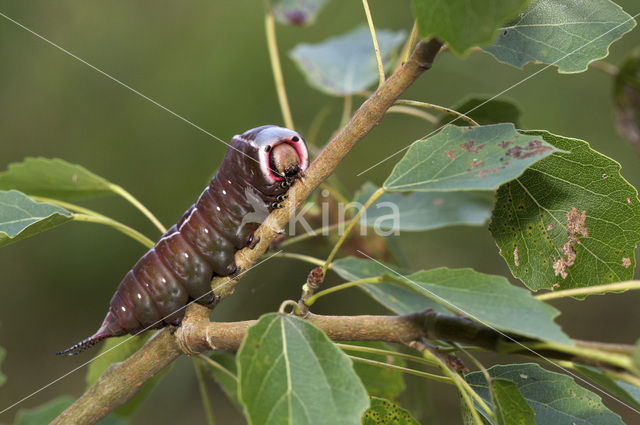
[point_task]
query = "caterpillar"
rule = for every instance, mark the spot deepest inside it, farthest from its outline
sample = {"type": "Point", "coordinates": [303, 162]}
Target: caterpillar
{"type": "Point", "coordinates": [257, 170]}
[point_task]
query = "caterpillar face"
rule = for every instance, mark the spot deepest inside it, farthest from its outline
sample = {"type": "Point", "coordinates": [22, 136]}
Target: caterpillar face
{"type": "Point", "coordinates": [282, 153]}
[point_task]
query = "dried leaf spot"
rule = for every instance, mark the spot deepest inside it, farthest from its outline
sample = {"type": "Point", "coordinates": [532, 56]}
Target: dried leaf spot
{"type": "Point", "coordinates": [474, 163]}
{"type": "Point", "coordinates": [575, 226]}
{"type": "Point", "coordinates": [516, 258]}
{"type": "Point", "coordinates": [629, 201]}
{"type": "Point", "coordinates": [504, 144]}
{"type": "Point", "coordinates": [626, 262]}
{"type": "Point", "coordinates": [471, 147]}
{"type": "Point", "coordinates": [551, 227]}
{"type": "Point", "coordinates": [555, 286]}
{"type": "Point", "coordinates": [450, 154]}
{"type": "Point", "coordinates": [533, 148]}
{"type": "Point", "coordinates": [485, 173]}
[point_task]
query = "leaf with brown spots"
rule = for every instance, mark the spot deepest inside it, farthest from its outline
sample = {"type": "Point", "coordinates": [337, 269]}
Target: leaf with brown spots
{"type": "Point", "coordinates": [573, 217]}
{"type": "Point", "coordinates": [385, 412]}
{"type": "Point", "coordinates": [466, 158]}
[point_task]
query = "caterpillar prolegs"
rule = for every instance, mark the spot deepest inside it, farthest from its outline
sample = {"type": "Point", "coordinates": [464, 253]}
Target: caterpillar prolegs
{"type": "Point", "coordinates": [253, 178]}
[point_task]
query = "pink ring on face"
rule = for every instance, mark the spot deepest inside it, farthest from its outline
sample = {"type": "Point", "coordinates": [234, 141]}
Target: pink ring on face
{"type": "Point", "coordinates": [303, 156]}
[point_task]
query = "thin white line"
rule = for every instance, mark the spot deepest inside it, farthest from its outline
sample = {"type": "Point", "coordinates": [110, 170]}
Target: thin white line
{"type": "Point", "coordinates": [501, 93]}
{"type": "Point", "coordinates": [501, 333]}
{"type": "Point", "coordinates": [124, 85]}
{"type": "Point", "coordinates": [132, 336]}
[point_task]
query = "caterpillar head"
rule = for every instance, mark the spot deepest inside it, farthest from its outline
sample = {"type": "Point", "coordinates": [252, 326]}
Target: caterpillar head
{"type": "Point", "coordinates": [274, 156]}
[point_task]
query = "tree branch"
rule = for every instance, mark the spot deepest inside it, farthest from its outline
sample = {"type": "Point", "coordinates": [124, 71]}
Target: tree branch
{"type": "Point", "coordinates": [121, 381]}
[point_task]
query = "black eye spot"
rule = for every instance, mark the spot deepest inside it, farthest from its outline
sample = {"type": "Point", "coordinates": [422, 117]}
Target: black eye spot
{"type": "Point", "coordinates": [267, 148]}
{"type": "Point", "coordinates": [295, 138]}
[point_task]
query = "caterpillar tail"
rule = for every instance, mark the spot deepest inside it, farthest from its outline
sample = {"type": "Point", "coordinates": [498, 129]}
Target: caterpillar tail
{"type": "Point", "coordinates": [82, 345]}
{"type": "Point", "coordinates": [108, 329]}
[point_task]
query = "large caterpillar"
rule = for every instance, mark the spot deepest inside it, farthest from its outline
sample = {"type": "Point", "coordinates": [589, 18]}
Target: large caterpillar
{"type": "Point", "coordinates": [254, 176]}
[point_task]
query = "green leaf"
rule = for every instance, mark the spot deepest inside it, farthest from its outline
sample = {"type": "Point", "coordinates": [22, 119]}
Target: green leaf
{"type": "Point", "coordinates": [510, 407]}
{"type": "Point", "coordinates": [466, 158]}
{"type": "Point", "coordinates": [461, 24]}
{"type": "Point", "coordinates": [567, 34]}
{"type": "Point", "coordinates": [627, 93]}
{"type": "Point", "coordinates": [3, 354]}
{"type": "Point", "coordinates": [418, 211]}
{"type": "Point", "coordinates": [22, 217]}
{"type": "Point", "coordinates": [346, 64]}
{"type": "Point", "coordinates": [610, 385]}
{"type": "Point", "coordinates": [290, 373]}
{"type": "Point", "coordinates": [393, 297]}
{"type": "Point", "coordinates": [555, 398]}
{"type": "Point", "coordinates": [116, 350]}
{"type": "Point", "coordinates": [379, 381]}
{"type": "Point", "coordinates": [44, 413]}
{"type": "Point", "coordinates": [569, 221]}
{"type": "Point", "coordinates": [484, 110]}
{"type": "Point", "coordinates": [227, 383]}
{"type": "Point", "coordinates": [385, 412]}
{"type": "Point", "coordinates": [296, 12]}
{"type": "Point", "coordinates": [53, 178]}
{"type": "Point", "coordinates": [488, 299]}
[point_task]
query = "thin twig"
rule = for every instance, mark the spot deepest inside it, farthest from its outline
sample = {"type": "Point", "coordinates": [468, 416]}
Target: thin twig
{"type": "Point", "coordinates": [408, 110]}
{"type": "Point", "coordinates": [391, 366]}
{"type": "Point", "coordinates": [434, 107]}
{"type": "Point", "coordinates": [408, 47]}
{"type": "Point", "coordinates": [375, 195]}
{"type": "Point", "coordinates": [100, 219]}
{"type": "Point", "coordinates": [591, 290]}
{"type": "Point", "coordinates": [272, 44]}
{"type": "Point", "coordinates": [374, 39]}
{"type": "Point", "coordinates": [129, 197]}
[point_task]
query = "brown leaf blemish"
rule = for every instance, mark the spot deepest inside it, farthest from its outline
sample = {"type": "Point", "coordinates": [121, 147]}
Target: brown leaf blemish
{"type": "Point", "coordinates": [474, 163]}
{"type": "Point", "coordinates": [516, 258]}
{"type": "Point", "coordinates": [504, 144]}
{"type": "Point", "coordinates": [629, 201]}
{"type": "Point", "coordinates": [471, 147]}
{"type": "Point", "coordinates": [533, 148]}
{"type": "Point", "coordinates": [575, 226]}
{"type": "Point", "coordinates": [437, 202]}
{"type": "Point", "coordinates": [626, 262]}
{"type": "Point", "coordinates": [450, 154]}
{"type": "Point", "coordinates": [551, 227]}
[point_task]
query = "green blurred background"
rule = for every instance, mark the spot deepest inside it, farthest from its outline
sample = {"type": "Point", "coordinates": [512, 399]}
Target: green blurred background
{"type": "Point", "coordinates": [207, 61]}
